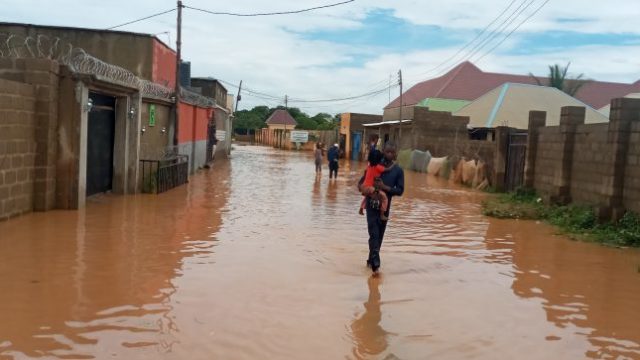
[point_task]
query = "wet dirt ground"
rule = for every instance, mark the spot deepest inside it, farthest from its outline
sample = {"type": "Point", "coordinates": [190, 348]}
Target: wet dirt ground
{"type": "Point", "coordinates": [259, 259]}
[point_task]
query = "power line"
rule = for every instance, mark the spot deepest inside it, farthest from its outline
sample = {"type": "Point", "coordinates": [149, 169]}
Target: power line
{"type": "Point", "coordinates": [348, 103]}
{"type": "Point", "coordinates": [506, 22]}
{"type": "Point", "coordinates": [504, 25]}
{"type": "Point", "coordinates": [342, 99]}
{"type": "Point", "coordinates": [373, 88]}
{"type": "Point", "coordinates": [514, 30]}
{"type": "Point", "coordinates": [232, 14]}
{"type": "Point", "coordinates": [472, 40]}
{"type": "Point", "coordinates": [269, 13]}
{"type": "Point", "coordinates": [298, 100]}
{"type": "Point", "coordinates": [500, 30]}
{"type": "Point", "coordinates": [141, 19]}
{"type": "Point", "coordinates": [274, 97]}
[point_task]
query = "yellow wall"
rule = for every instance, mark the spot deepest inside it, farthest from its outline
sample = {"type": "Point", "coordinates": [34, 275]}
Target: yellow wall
{"type": "Point", "coordinates": [280, 127]}
{"type": "Point", "coordinates": [345, 129]}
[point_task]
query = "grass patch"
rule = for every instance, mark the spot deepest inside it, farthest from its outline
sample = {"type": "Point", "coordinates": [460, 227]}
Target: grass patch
{"type": "Point", "coordinates": [579, 222]}
{"type": "Point", "coordinates": [517, 205]}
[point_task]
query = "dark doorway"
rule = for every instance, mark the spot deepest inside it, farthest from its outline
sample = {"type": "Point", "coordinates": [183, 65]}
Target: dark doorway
{"type": "Point", "coordinates": [100, 139]}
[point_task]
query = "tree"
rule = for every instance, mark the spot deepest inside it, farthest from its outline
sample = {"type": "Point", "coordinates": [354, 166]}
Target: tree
{"type": "Point", "coordinates": [324, 121]}
{"type": "Point", "coordinates": [247, 120]}
{"type": "Point", "coordinates": [251, 119]}
{"type": "Point", "coordinates": [558, 78]}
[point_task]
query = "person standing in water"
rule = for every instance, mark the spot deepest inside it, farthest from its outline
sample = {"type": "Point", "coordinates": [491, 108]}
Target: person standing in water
{"type": "Point", "coordinates": [332, 156]}
{"type": "Point", "coordinates": [318, 158]}
{"type": "Point", "coordinates": [392, 183]}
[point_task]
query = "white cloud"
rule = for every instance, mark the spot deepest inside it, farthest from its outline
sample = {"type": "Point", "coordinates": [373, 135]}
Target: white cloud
{"type": "Point", "coordinates": [269, 54]}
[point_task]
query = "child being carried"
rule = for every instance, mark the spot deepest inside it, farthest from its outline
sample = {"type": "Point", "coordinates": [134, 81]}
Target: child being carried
{"type": "Point", "coordinates": [369, 190]}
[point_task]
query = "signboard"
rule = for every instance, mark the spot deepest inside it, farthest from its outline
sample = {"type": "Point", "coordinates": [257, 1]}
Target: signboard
{"type": "Point", "coordinates": [221, 135]}
{"type": "Point", "coordinates": [152, 115]}
{"type": "Point", "coordinates": [299, 136]}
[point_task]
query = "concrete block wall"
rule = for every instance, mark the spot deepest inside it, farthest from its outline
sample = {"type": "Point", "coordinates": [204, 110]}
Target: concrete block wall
{"type": "Point", "coordinates": [632, 171]}
{"type": "Point", "coordinates": [446, 135]}
{"type": "Point", "coordinates": [594, 164]}
{"type": "Point", "coordinates": [17, 148]}
{"type": "Point", "coordinates": [43, 74]}
{"type": "Point", "coordinates": [590, 154]}
{"type": "Point", "coordinates": [547, 158]}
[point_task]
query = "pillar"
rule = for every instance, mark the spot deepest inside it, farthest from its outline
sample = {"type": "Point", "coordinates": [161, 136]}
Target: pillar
{"type": "Point", "coordinates": [624, 112]}
{"type": "Point", "coordinates": [537, 119]}
{"type": "Point", "coordinates": [134, 125]}
{"type": "Point", "coordinates": [570, 118]}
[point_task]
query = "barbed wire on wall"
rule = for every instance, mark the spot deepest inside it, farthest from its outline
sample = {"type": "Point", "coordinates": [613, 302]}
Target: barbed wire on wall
{"type": "Point", "coordinates": [196, 99]}
{"type": "Point", "coordinates": [155, 90]}
{"type": "Point", "coordinates": [79, 61]}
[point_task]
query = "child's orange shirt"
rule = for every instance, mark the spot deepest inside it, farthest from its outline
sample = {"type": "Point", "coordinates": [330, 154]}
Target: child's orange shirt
{"type": "Point", "coordinates": [372, 173]}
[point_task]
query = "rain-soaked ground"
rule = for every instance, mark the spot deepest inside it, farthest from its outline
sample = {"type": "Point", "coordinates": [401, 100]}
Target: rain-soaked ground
{"type": "Point", "coordinates": [258, 259]}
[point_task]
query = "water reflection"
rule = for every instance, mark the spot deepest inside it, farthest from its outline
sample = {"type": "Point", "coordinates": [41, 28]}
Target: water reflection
{"type": "Point", "coordinates": [585, 289]}
{"type": "Point", "coordinates": [260, 259]}
{"type": "Point", "coordinates": [102, 277]}
{"type": "Point", "coordinates": [369, 336]}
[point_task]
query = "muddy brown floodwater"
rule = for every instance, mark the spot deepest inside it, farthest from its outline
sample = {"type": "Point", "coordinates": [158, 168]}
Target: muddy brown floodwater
{"type": "Point", "coordinates": [258, 259]}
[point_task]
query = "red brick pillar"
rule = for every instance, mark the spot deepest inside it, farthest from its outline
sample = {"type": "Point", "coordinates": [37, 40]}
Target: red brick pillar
{"type": "Point", "coordinates": [570, 118]}
{"type": "Point", "coordinates": [537, 119]}
{"type": "Point", "coordinates": [624, 112]}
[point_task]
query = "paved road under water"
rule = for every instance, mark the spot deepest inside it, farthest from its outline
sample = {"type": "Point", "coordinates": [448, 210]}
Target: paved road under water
{"type": "Point", "coordinates": [258, 259]}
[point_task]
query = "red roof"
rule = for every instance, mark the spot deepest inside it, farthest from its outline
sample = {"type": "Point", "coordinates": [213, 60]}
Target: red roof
{"type": "Point", "coordinates": [467, 82]}
{"type": "Point", "coordinates": [281, 117]}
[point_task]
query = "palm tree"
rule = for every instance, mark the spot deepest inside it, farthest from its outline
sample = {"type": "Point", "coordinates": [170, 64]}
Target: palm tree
{"type": "Point", "coordinates": [559, 80]}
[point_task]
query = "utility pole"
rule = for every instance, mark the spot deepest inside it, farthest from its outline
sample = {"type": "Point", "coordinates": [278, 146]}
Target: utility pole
{"type": "Point", "coordinates": [400, 116]}
{"type": "Point", "coordinates": [286, 102]}
{"type": "Point", "coordinates": [400, 83]}
{"type": "Point", "coordinates": [236, 110]}
{"type": "Point", "coordinates": [239, 97]}
{"type": "Point", "coordinates": [389, 102]}
{"type": "Point", "coordinates": [178, 61]}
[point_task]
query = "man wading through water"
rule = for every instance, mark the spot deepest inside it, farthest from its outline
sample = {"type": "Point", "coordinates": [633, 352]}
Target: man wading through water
{"type": "Point", "coordinates": [392, 183]}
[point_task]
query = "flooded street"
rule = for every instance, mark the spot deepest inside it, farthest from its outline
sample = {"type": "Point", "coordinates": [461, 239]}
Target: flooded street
{"type": "Point", "coordinates": [259, 259]}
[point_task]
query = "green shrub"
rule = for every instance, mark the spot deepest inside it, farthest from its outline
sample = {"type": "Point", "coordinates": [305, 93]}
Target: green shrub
{"type": "Point", "coordinates": [574, 220]}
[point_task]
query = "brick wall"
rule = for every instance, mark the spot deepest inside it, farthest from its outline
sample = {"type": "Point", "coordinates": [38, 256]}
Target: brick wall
{"type": "Point", "coordinates": [547, 158]}
{"type": "Point", "coordinates": [631, 195]}
{"type": "Point", "coordinates": [17, 148]}
{"type": "Point", "coordinates": [591, 151]}
{"type": "Point", "coordinates": [446, 135]}
{"type": "Point", "coordinates": [43, 74]}
{"type": "Point", "coordinates": [595, 164]}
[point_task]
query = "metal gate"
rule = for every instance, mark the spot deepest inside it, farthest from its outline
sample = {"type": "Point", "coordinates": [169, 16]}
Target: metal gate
{"type": "Point", "coordinates": [516, 159]}
{"type": "Point", "coordinates": [100, 139]}
{"type": "Point", "coordinates": [356, 142]}
{"type": "Point", "coordinates": [159, 176]}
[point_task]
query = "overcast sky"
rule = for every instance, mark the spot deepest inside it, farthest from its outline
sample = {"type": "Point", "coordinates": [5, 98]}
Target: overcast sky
{"type": "Point", "coordinates": [354, 48]}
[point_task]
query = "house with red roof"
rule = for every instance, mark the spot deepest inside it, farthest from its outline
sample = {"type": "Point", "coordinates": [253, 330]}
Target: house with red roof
{"type": "Point", "coordinates": [281, 120]}
{"type": "Point", "coordinates": [278, 131]}
{"type": "Point", "coordinates": [467, 82]}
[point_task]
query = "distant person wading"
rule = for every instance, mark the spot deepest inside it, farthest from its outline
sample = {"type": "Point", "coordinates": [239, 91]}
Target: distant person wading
{"type": "Point", "coordinates": [332, 156]}
{"type": "Point", "coordinates": [318, 158]}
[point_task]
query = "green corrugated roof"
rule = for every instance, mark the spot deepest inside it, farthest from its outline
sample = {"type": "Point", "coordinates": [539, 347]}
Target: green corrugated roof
{"type": "Point", "coordinates": [451, 105]}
